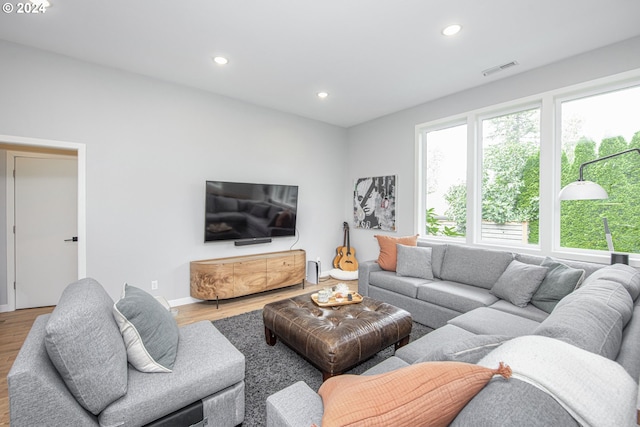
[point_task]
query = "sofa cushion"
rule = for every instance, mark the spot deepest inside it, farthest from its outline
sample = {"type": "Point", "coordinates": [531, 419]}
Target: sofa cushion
{"type": "Point", "coordinates": [84, 344]}
{"type": "Point", "coordinates": [415, 350]}
{"type": "Point", "coordinates": [559, 282]}
{"type": "Point", "coordinates": [627, 276]}
{"type": "Point", "coordinates": [392, 282]}
{"type": "Point", "coordinates": [487, 321]}
{"type": "Point", "coordinates": [206, 364]}
{"type": "Point", "coordinates": [528, 312]}
{"type": "Point", "coordinates": [149, 330]}
{"type": "Point", "coordinates": [519, 282]}
{"type": "Point", "coordinates": [437, 256]}
{"type": "Point", "coordinates": [592, 318]}
{"type": "Point", "coordinates": [513, 403]}
{"type": "Point", "coordinates": [630, 348]}
{"type": "Point", "coordinates": [612, 293]}
{"type": "Point", "coordinates": [474, 266]}
{"type": "Point", "coordinates": [388, 257]}
{"type": "Point", "coordinates": [414, 261]}
{"type": "Point", "coordinates": [468, 350]}
{"type": "Point", "coordinates": [455, 296]}
{"type": "Point", "coordinates": [430, 393]}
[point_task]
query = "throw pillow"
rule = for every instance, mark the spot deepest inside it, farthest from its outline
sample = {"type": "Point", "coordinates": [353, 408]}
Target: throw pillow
{"type": "Point", "coordinates": [559, 282]}
{"type": "Point", "coordinates": [414, 261]}
{"type": "Point", "coordinates": [149, 331]}
{"type": "Point", "coordinates": [388, 257]}
{"type": "Point", "coordinates": [85, 346]}
{"type": "Point", "coordinates": [519, 282]}
{"type": "Point", "coordinates": [430, 393]}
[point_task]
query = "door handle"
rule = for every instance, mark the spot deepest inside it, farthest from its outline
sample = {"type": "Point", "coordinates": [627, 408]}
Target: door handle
{"type": "Point", "coordinates": [73, 239]}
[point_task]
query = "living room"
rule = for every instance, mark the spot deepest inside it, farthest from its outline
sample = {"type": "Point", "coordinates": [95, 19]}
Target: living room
{"type": "Point", "coordinates": [150, 145]}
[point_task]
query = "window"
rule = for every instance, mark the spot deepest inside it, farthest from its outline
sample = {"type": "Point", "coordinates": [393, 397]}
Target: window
{"type": "Point", "coordinates": [446, 181]}
{"type": "Point", "coordinates": [511, 177]}
{"type": "Point", "coordinates": [593, 127]}
{"type": "Point", "coordinates": [492, 176]}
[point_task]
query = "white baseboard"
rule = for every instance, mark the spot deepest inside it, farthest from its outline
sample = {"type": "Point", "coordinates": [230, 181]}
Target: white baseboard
{"type": "Point", "coordinates": [183, 301]}
{"type": "Point", "coordinates": [4, 308]}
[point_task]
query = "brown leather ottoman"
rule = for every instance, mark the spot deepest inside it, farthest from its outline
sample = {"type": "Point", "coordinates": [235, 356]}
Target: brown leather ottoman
{"type": "Point", "coordinates": [336, 338]}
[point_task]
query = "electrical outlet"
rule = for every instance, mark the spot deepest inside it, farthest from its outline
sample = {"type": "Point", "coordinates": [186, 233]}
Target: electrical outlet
{"type": "Point", "coordinates": [154, 285]}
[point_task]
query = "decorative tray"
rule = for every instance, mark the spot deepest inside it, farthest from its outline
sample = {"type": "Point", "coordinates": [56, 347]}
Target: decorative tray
{"type": "Point", "coordinates": [333, 302]}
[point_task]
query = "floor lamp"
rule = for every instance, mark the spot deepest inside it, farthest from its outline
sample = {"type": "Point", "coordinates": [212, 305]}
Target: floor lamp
{"type": "Point", "coordinates": [588, 190]}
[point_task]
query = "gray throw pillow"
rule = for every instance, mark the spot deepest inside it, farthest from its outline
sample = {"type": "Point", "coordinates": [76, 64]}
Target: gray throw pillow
{"type": "Point", "coordinates": [519, 282]}
{"type": "Point", "coordinates": [414, 261]}
{"type": "Point", "coordinates": [149, 331]}
{"type": "Point", "coordinates": [85, 345]}
{"type": "Point", "coordinates": [559, 282]}
{"type": "Point", "coordinates": [469, 350]}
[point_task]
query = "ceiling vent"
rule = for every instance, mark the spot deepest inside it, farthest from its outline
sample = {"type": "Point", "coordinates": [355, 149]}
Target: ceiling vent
{"type": "Point", "coordinates": [499, 68]}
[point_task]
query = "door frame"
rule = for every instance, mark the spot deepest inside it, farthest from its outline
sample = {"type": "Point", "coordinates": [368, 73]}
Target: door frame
{"type": "Point", "coordinates": [33, 144]}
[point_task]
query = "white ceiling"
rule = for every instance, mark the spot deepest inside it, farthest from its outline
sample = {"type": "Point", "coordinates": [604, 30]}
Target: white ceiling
{"type": "Point", "coordinates": [374, 57]}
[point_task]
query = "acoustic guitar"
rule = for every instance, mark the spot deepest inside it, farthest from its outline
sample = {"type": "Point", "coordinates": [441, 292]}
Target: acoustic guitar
{"type": "Point", "coordinates": [341, 249]}
{"type": "Point", "coordinates": [348, 260]}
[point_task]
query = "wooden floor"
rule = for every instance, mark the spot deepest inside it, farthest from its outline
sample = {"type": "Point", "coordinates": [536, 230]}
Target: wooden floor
{"type": "Point", "coordinates": [14, 326]}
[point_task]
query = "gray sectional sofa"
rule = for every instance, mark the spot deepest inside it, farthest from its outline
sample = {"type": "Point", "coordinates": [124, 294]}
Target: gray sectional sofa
{"type": "Point", "coordinates": [72, 370]}
{"type": "Point", "coordinates": [467, 295]}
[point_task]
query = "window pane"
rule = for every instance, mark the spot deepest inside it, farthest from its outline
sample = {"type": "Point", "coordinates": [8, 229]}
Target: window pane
{"type": "Point", "coordinates": [446, 181]}
{"type": "Point", "coordinates": [511, 177]}
{"type": "Point", "coordinates": [595, 127]}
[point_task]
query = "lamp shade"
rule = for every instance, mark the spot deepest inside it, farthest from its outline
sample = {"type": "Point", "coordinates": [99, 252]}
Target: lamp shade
{"type": "Point", "coordinates": [583, 190]}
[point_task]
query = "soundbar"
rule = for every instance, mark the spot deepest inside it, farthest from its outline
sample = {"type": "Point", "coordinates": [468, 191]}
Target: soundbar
{"type": "Point", "coordinates": [254, 241]}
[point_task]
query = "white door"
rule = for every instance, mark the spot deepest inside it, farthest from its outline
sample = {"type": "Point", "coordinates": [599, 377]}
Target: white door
{"type": "Point", "coordinates": [46, 218]}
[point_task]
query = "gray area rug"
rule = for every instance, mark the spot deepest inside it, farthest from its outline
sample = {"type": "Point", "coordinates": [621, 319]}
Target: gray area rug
{"type": "Point", "coordinates": [270, 369]}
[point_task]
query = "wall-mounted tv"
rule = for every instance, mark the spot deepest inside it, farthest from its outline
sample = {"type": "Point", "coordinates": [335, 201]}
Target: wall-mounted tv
{"type": "Point", "coordinates": [246, 211]}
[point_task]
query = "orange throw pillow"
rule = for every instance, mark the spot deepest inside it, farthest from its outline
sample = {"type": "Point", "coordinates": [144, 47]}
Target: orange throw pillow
{"type": "Point", "coordinates": [388, 258]}
{"type": "Point", "coordinates": [424, 394]}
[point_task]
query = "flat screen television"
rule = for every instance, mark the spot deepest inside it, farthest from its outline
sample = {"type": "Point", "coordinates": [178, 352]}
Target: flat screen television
{"type": "Point", "coordinates": [246, 211]}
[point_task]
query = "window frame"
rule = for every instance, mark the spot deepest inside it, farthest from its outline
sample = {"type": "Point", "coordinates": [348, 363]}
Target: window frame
{"type": "Point", "coordinates": [550, 167]}
{"type": "Point", "coordinates": [421, 177]}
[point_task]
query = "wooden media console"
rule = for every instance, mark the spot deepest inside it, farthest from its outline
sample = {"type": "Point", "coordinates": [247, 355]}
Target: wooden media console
{"type": "Point", "coordinates": [223, 278]}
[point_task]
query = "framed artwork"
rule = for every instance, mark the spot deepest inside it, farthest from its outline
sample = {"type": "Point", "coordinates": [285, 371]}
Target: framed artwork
{"type": "Point", "coordinates": [374, 203]}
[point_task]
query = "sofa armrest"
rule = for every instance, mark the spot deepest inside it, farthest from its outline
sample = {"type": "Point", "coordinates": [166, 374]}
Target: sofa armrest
{"type": "Point", "coordinates": [364, 269]}
{"type": "Point", "coordinates": [295, 406]}
{"type": "Point", "coordinates": [37, 393]}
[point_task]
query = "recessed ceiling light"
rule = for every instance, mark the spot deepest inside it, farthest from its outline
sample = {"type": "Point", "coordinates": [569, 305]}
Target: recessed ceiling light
{"type": "Point", "coordinates": [452, 30]}
{"type": "Point", "coordinates": [322, 95]}
{"type": "Point", "coordinates": [220, 60]}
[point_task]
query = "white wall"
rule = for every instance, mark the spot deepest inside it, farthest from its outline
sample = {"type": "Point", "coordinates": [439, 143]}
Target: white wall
{"type": "Point", "coordinates": [386, 146]}
{"type": "Point", "coordinates": [150, 146]}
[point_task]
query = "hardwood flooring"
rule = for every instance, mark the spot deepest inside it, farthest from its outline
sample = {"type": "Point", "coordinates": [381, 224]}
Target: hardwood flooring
{"type": "Point", "coordinates": [14, 326]}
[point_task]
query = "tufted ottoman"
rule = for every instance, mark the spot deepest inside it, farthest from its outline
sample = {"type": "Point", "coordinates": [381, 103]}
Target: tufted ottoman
{"type": "Point", "coordinates": [336, 338]}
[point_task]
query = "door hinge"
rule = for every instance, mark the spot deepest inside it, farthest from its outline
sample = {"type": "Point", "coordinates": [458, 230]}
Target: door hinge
{"type": "Point", "coordinates": [14, 286]}
{"type": "Point", "coordinates": [14, 229]}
